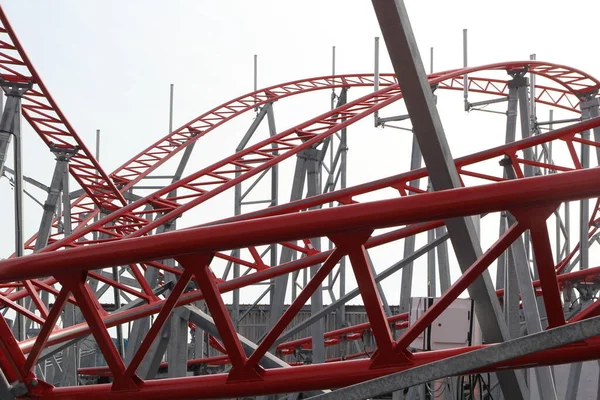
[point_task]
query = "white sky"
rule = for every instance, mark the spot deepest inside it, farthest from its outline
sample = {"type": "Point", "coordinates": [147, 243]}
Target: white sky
{"type": "Point", "coordinates": [109, 64]}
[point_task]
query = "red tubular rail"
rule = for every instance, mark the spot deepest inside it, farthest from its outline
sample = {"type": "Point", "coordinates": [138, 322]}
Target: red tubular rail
{"type": "Point", "coordinates": [522, 193]}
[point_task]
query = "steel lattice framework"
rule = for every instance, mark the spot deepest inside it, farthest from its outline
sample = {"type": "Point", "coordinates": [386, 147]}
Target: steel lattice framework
{"type": "Point", "coordinates": [131, 250]}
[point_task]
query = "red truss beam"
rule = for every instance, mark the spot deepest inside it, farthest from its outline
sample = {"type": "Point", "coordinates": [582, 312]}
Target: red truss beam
{"type": "Point", "coordinates": [524, 194]}
{"type": "Point", "coordinates": [132, 223]}
{"type": "Point", "coordinates": [45, 117]}
{"type": "Point", "coordinates": [128, 217]}
{"type": "Point", "coordinates": [400, 182]}
{"type": "Point", "coordinates": [564, 96]}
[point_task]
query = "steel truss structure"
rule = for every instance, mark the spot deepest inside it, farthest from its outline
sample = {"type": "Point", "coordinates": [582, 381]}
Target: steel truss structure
{"type": "Point", "coordinates": [110, 245]}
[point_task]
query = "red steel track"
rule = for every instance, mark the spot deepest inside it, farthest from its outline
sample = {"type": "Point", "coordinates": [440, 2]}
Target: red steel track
{"type": "Point", "coordinates": [125, 235]}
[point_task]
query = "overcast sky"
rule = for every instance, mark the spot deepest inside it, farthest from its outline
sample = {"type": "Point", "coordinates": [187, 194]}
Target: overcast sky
{"type": "Point", "coordinates": [109, 64]}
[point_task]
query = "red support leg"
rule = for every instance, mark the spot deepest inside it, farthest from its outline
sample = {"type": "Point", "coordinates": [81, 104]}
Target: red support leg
{"type": "Point", "coordinates": [48, 326]}
{"type": "Point", "coordinates": [353, 245]}
{"type": "Point", "coordinates": [290, 313]}
{"type": "Point", "coordinates": [36, 298]}
{"type": "Point", "coordinates": [12, 358]}
{"type": "Point", "coordinates": [87, 305]}
{"type": "Point", "coordinates": [545, 265]}
{"type": "Point", "coordinates": [198, 264]}
{"type": "Point", "coordinates": [459, 286]}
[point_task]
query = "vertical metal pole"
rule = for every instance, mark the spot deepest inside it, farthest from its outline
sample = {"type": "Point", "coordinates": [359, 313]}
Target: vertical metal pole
{"type": "Point", "coordinates": [66, 203]}
{"type": "Point", "coordinates": [343, 183]}
{"type": "Point", "coordinates": [255, 77]}
{"type": "Point", "coordinates": [502, 275]}
{"type": "Point", "coordinates": [532, 94]}
{"type": "Point", "coordinates": [584, 215]}
{"type": "Point", "coordinates": [237, 210]}
{"type": "Point", "coordinates": [465, 77]}
{"type": "Point", "coordinates": [18, 191]}
{"type": "Point", "coordinates": [409, 242]}
{"type": "Point", "coordinates": [431, 279]}
{"type": "Point", "coordinates": [171, 109]}
{"type": "Point", "coordinates": [332, 74]}
{"type": "Point", "coordinates": [97, 217]}
{"type": "Point", "coordinates": [376, 78]}
{"type": "Point", "coordinates": [19, 244]}
{"type": "Point", "coordinates": [274, 174]}
{"type": "Point", "coordinates": [431, 60]}
{"type": "Point", "coordinates": [443, 263]}
{"type": "Point", "coordinates": [316, 300]}
{"type": "Point", "coordinates": [333, 60]}
{"type": "Point", "coordinates": [71, 354]}
{"type": "Point", "coordinates": [97, 144]}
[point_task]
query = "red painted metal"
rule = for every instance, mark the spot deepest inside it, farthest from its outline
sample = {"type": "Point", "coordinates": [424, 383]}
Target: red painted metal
{"type": "Point", "coordinates": [294, 308]}
{"type": "Point", "coordinates": [353, 245]}
{"type": "Point", "coordinates": [527, 192]}
{"type": "Point", "coordinates": [41, 111]}
{"type": "Point", "coordinates": [134, 221]}
{"type": "Point", "coordinates": [159, 322]}
{"type": "Point", "coordinates": [390, 182]}
{"type": "Point", "coordinates": [308, 377]}
{"type": "Point", "coordinates": [458, 287]}
{"type": "Point", "coordinates": [276, 225]}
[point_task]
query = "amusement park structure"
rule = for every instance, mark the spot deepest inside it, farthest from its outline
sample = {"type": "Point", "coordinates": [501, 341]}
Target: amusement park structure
{"type": "Point", "coordinates": [121, 295]}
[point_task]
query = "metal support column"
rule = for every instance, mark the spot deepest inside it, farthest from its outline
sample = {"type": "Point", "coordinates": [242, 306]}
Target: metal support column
{"type": "Point", "coordinates": [589, 109]}
{"type": "Point", "coordinates": [409, 242]}
{"type": "Point", "coordinates": [317, 329]}
{"type": "Point", "coordinates": [175, 330]}
{"type": "Point", "coordinates": [62, 165]}
{"type": "Point", "coordinates": [427, 126]}
{"type": "Point", "coordinates": [545, 380]}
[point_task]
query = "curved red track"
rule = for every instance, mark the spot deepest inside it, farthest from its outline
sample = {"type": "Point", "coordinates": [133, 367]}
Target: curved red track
{"type": "Point", "coordinates": [125, 241]}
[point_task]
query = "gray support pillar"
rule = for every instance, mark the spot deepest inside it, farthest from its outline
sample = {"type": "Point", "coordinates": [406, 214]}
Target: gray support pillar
{"type": "Point", "coordinates": [511, 131]}
{"type": "Point", "coordinates": [573, 381]}
{"type": "Point", "coordinates": [274, 174]}
{"type": "Point", "coordinates": [341, 312]}
{"type": "Point", "coordinates": [18, 189]}
{"type": "Point", "coordinates": [281, 282]}
{"type": "Point", "coordinates": [427, 126]}
{"type": "Point", "coordinates": [589, 109]}
{"type": "Point", "coordinates": [7, 121]}
{"type": "Point", "coordinates": [443, 261]}
{"type": "Point", "coordinates": [177, 351]}
{"type": "Point", "coordinates": [70, 361]}
{"type": "Point", "coordinates": [512, 298]}
{"type": "Point", "coordinates": [237, 210]}
{"type": "Point", "coordinates": [544, 376]}
{"type": "Point", "coordinates": [5, 139]}
{"type": "Point", "coordinates": [52, 201]}
{"type": "Point", "coordinates": [62, 159]}
{"type": "Point", "coordinates": [431, 277]}
{"type": "Point", "coordinates": [152, 360]}
{"type": "Point", "coordinates": [149, 366]}
{"type": "Point", "coordinates": [70, 357]}
{"type": "Point", "coordinates": [409, 242]}
{"type": "Point", "coordinates": [528, 153]}
{"type": "Point", "coordinates": [317, 329]}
